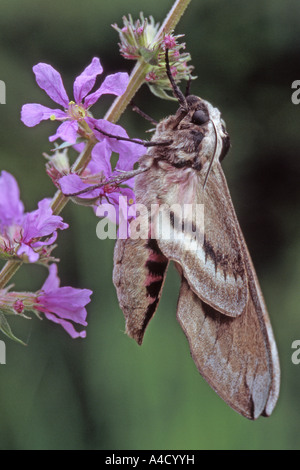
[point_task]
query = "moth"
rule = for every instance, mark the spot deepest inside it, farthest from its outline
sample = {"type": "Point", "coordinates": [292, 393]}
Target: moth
{"type": "Point", "coordinates": [220, 307]}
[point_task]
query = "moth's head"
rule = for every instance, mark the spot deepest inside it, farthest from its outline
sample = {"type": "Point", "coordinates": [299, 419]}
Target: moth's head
{"type": "Point", "coordinates": [204, 132]}
{"type": "Point", "coordinates": [204, 121]}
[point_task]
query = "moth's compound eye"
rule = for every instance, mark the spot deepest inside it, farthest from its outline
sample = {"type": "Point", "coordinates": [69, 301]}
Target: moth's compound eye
{"type": "Point", "coordinates": [200, 117]}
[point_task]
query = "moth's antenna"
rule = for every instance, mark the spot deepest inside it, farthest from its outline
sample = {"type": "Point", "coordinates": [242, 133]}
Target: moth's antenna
{"type": "Point", "coordinates": [214, 154]}
{"type": "Point", "coordinates": [176, 90]}
{"type": "Point", "coordinates": [184, 109]}
{"type": "Point", "coordinates": [188, 87]}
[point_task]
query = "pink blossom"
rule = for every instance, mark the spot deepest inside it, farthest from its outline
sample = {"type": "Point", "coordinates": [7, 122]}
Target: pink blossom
{"type": "Point", "coordinates": [99, 170]}
{"type": "Point", "coordinates": [170, 41]}
{"type": "Point", "coordinates": [63, 305]}
{"type": "Point", "coordinates": [22, 234]}
{"type": "Point", "coordinates": [75, 114]}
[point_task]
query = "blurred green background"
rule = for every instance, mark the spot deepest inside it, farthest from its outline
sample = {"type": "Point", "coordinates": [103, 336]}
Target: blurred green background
{"type": "Point", "coordinates": [105, 392]}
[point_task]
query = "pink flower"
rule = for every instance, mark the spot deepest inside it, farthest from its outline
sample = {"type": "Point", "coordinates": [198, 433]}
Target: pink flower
{"type": "Point", "coordinates": [39, 224]}
{"type": "Point", "coordinates": [75, 114]}
{"type": "Point", "coordinates": [24, 233]}
{"type": "Point", "coordinates": [170, 41]}
{"type": "Point", "coordinates": [63, 305]}
{"type": "Point", "coordinates": [11, 207]}
{"type": "Point", "coordinates": [99, 170]}
{"type": "Point", "coordinates": [129, 152]}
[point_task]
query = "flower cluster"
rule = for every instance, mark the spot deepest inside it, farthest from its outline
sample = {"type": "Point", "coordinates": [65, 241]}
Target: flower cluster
{"type": "Point", "coordinates": [140, 40]}
{"type": "Point", "coordinates": [99, 170]}
{"type": "Point", "coordinates": [137, 38]}
{"type": "Point", "coordinates": [78, 123]}
{"type": "Point", "coordinates": [25, 236]}
{"type": "Point", "coordinates": [30, 236]}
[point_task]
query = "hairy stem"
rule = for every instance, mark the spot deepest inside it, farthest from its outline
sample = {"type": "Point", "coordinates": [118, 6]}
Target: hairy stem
{"type": "Point", "coordinates": [8, 271]}
{"type": "Point", "coordinates": [59, 201]}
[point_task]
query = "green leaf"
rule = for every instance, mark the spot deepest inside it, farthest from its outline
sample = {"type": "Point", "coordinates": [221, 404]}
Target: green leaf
{"type": "Point", "coordinates": [8, 257]}
{"type": "Point", "coordinates": [5, 328]}
{"type": "Point", "coordinates": [161, 93]}
{"type": "Point", "coordinates": [149, 56]}
{"type": "Point", "coordinates": [65, 145]}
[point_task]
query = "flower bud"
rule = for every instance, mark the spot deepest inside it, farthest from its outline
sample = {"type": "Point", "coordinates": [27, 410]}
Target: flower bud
{"type": "Point", "coordinates": [140, 41]}
{"type": "Point", "coordinates": [58, 165]}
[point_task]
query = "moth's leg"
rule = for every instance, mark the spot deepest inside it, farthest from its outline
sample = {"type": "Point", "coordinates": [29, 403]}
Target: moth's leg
{"type": "Point", "coordinates": [144, 115]}
{"type": "Point", "coordinates": [117, 180]}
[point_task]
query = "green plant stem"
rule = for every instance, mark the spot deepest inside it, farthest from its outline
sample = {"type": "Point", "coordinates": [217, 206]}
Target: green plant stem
{"type": "Point", "coordinates": [173, 17]}
{"type": "Point", "coordinates": [8, 271]}
{"type": "Point", "coordinates": [136, 80]}
{"type": "Point", "coordinates": [59, 201]}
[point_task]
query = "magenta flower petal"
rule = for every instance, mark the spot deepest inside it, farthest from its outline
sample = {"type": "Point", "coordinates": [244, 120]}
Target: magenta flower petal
{"type": "Point", "coordinates": [100, 161]}
{"type": "Point", "coordinates": [129, 152]}
{"type": "Point", "coordinates": [52, 282]}
{"type": "Point", "coordinates": [127, 192]}
{"type": "Point", "coordinates": [63, 304]}
{"type": "Point", "coordinates": [67, 303]}
{"type": "Point", "coordinates": [108, 127]}
{"type": "Point", "coordinates": [85, 82]}
{"type": "Point", "coordinates": [68, 327]}
{"type": "Point", "coordinates": [130, 183]}
{"type": "Point", "coordinates": [29, 252]}
{"type": "Point", "coordinates": [36, 225]}
{"type": "Point", "coordinates": [75, 113]}
{"type": "Point", "coordinates": [47, 242]}
{"type": "Point", "coordinates": [23, 232]}
{"type": "Point", "coordinates": [33, 113]}
{"type": "Point", "coordinates": [114, 84]}
{"type": "Point", "coordinates": [79, 147]}
{"type": "Point", "coordinates": [51, 82]}
{"type": "Point", "coordinates": [67, 131]}
{"type": "Point", "coordinates": [11, 207]}
{"type": "Point", "coordinates": [122, 200]}
{"type": "Point", "coordinates": [42, 222]}
{"type": "Point", "coordinates": [71, 184]}
{"type": "Point", "coordinates": [47, 222]}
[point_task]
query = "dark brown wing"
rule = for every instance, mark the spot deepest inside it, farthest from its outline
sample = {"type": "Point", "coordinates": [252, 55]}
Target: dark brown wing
{"type": "Point", "coordinates": [139, 273]}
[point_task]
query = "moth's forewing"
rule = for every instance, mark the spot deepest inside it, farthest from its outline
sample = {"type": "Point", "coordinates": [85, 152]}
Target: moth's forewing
{"type": "Point", "coordinates": [139, 274]}
{"type": "Point", "coordinates": [214, 268]}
